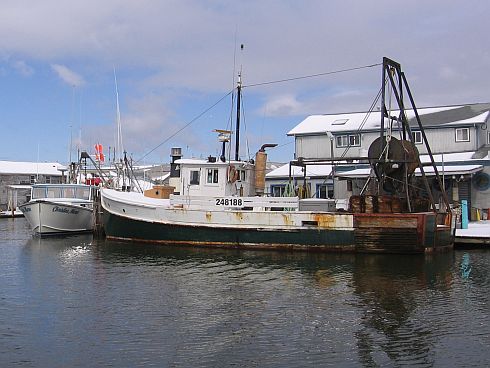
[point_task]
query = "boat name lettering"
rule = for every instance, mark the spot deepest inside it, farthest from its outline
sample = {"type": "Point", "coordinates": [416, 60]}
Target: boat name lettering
{"type": "Point", "coordinates": [233, 202]}
{"type": "Point", "coordinates": [65, 210]}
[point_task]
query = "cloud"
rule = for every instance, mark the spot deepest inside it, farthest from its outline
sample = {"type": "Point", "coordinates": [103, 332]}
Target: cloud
{"type": "Point", "coordinates": [146, 122]}
{"type": "Point", "coordinates": [22, 68]}
{"type": "Point", "coordinates": [283, 105]}
{"type": "Point", "coordinates": [190, 48]}
{"type": "Point", "coordinates": [68, 76]}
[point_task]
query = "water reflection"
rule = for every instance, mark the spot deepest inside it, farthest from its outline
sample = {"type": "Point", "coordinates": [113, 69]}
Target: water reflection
{"type": "Point", "coordinates": [128, 304]}
{"type": "Point", "coordinates": [389, 296]}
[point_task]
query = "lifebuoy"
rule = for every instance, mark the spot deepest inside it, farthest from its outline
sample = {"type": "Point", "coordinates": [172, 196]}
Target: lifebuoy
{"type": "Point", "coordinates": [232, 174]}
{"type": "Point", "coordinates": [481, 181]}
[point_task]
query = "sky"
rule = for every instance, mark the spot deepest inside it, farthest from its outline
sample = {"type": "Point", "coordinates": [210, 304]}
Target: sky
{"type": "Point", "coordinates": [175, 63]}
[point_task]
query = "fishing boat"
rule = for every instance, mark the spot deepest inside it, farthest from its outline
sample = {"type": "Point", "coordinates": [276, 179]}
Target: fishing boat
{"type": "Point", "coordinates": [60, 208]}
{"type": "Point", "coordinates": [218, 202]}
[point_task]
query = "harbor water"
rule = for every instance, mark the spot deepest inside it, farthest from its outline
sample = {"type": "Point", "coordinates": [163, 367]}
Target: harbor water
{"type": "Point", "coordinates": [82, 302]}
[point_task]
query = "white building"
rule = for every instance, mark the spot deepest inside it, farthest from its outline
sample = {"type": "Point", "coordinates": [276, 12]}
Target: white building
{"type": "Point", "coordinates": [18, 175]}
{"type": "Point", "coordinates": [458, 136]}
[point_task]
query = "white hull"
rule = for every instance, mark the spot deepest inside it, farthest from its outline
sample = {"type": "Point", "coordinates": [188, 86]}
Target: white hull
{"type": "Point", "coordinates": [138, 207]}
{"type": "Point", "coordinates": [46, 217]}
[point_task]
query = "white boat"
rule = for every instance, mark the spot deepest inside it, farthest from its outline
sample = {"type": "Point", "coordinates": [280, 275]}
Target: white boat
{"type": "Point", "coordinates": [220, 202]}
{"type": "Point", "coordinates": [60, 208]}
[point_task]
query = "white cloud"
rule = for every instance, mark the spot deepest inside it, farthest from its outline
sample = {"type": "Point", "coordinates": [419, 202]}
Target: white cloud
{"type": "Point", "coordinates": [187, 48]}
{"type": "Point", "coordinates": [146, 122]}
{"type": "Point", "coordinates": [68, 76]}
{"type": "Point", "coordinates": [284, 105]}
{"type": "Point", "coordinates": [22, 68]}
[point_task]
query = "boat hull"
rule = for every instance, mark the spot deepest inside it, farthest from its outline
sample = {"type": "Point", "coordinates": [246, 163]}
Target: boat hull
{"type": "Point", "coordinates": [123, 228]}
{"type": "Point", "coordinates": [295, 230]}
{"type": "Point", "coordinates": [51, 218]}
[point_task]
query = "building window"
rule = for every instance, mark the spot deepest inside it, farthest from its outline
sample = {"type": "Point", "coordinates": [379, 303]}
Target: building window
{"type": "Point", "coordinates": [194, 177]}
{"type": "Point", "coordinates": [212, 177]}
{"type": "Point", "coordinates": [348, 140]}
{"type": "Point", "coordinates": [33, 179]}
{"type": "Point", "coordinates": [417, 137]}
{"type": "Point", "coordinates": [48, 179]}
{"type": "Point", "coordinates": [488, 137]}
{"type": "Point", "coordinates": [277, 190]}
{"type": "Point", "coordinates": [324, 191]}
{"type": "Point", "coordinates": [463, 135]}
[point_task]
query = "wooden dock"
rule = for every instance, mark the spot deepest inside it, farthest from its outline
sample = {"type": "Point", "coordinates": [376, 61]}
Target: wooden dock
{"type": "Point", "coordinates": [476, 236]}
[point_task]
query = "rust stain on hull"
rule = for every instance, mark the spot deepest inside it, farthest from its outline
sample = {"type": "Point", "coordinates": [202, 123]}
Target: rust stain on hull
{"type": "Point", "coordinates": [325, 220]}
{"type": "Point", "coordinates": [386, 221]}
{"type": "Point", "coordinates": [287, 219]}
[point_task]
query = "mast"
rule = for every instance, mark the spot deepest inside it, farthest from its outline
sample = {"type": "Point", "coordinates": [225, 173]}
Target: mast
{"type": "Point", "coordinates": [238, 103]}
{"type": "Point", "coordinates": [119, 144]}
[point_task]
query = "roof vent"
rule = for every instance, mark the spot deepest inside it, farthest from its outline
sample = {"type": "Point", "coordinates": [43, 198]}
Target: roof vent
{"type": "Point", "coordinates": [340, 122]}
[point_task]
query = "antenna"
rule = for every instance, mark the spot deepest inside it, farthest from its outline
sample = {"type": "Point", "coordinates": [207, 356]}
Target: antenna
{"type": "Point", "coordinates": [119, 144]}
{"type": "Point", "coordinates": [238, 103]}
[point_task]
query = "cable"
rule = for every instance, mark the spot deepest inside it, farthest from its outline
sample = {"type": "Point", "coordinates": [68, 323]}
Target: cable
{"type": "Point", "coordinates": [366, 117]}
{"type": "Point", "coordinates": [312, 75]}
{"type": "Point", "coordinates": [186, 125]}
{"type": "Point", "coordinates": [255, 85]}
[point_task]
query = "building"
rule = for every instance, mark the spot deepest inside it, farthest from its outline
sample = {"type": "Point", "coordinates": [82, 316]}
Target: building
{"type": "Point", "coordinates": [316, 182]}
{"type": "Point", "coordinates": [458, 137]}
{"type": "Point", "coordinates": [21, 175]}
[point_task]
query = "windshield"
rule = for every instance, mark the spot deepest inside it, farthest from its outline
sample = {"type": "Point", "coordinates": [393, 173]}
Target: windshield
{"type": "Point", "coordinates": [54, 193]}
{"type": "Point", "coordinates": [38, 193]}
{"type": "Point", "coordinates": [83, 193]}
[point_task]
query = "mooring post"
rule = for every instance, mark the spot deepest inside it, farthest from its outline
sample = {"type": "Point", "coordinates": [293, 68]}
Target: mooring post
{"type": "Point", "coordinates": [464, 214]}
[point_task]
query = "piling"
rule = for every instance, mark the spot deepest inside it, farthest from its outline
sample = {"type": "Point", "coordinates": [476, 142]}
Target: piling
{"type": "Point", "coordinates": [97, 214]}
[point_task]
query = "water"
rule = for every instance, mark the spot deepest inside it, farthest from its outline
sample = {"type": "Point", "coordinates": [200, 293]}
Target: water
{"type": "Point", "coordinates": [78, 302]}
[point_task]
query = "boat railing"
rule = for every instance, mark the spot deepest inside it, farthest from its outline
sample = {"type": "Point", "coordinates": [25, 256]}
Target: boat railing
{"type": "Point", "coordinates": [232, 202]}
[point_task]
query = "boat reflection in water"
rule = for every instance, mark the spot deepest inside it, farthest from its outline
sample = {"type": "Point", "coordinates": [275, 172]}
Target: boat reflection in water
{"type": "Point", "coordinates": [188, 306]}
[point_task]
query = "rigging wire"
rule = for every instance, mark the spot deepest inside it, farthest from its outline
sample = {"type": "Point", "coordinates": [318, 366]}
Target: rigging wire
{"type": "Point", "coordinates": [185, 126]}
{"type": "Point", "coordinates": [364, 121]}
{"type": "Point", "coordinates": [247, 143]}
{"type": "Point", "coordinates": [255, 85]}
{"type": "Point", "coordinates": [312, 75]}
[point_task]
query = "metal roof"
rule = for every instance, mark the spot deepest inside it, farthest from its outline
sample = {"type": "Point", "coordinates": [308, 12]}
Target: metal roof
{"type": "Point", "coordinates": [430, 117]}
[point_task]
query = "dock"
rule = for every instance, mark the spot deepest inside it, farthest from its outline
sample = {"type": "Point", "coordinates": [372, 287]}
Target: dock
{"type": "Point", "coordinates": [477, 235]}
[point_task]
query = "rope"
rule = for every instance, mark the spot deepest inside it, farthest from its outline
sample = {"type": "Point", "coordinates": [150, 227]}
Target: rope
{"type": "Point", "coordinates": [371, 108]}
{"type": "Point", "coordinates": [312, 75]}
{"type": "Point", "coordinates": [185, 126]}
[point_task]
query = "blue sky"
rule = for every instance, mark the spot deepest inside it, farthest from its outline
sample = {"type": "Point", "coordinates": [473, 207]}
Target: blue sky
{"type": "Point", "coordinates": [174, 59]}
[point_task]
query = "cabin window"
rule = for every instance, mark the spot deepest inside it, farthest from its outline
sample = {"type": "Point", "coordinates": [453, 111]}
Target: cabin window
{"type": "Point", "coordinates": [69, 192]}
{"type": "Point", "coordinates": [324, 191]}
{"type": "Point", "coordinates": [212, 177]}
{"type": "Point", "coordinates": [33, 179]}
{"type": "Point", "coordinates": [348, 140]}
{"type": "Point", "coordinates": [463, 135]}
{"type": "Point", "coordinates": [38, 193]}
{"type": "Point", "coordinates": [54, 192]}
{"type": "Point", "coordinates": [242, 175]}
{"type": "Point", "coordinates": [278, 190]}
{"type": "Point", "coordinates": [194, 177]}
{"type": "Point", "coordinates": [83, 193]}
{"type": "Point", "coordinates": [417, 137]}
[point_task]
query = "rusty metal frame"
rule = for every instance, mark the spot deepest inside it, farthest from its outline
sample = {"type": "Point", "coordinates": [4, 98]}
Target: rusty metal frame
{"type": "Point", "coordinates": [391, 67]}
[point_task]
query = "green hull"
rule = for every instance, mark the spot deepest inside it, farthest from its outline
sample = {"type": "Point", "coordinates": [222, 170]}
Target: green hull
{"type": "Point", "coordinates": [360, 239]}
{"type": "Point", "coordinates": [118, 227]}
